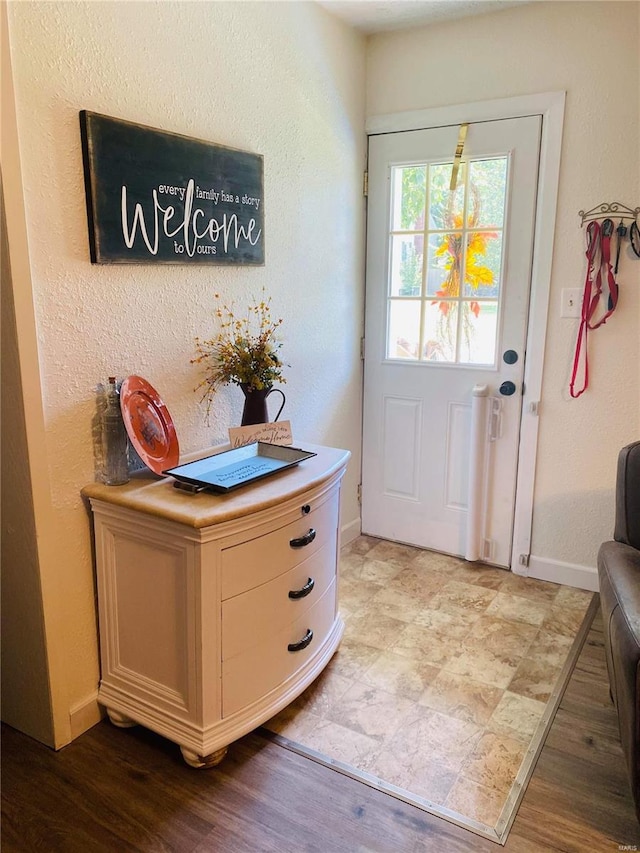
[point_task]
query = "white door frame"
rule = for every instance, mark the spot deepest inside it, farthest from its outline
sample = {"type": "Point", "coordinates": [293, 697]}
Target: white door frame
{"type": "Point", "coordinates": [550, 105]}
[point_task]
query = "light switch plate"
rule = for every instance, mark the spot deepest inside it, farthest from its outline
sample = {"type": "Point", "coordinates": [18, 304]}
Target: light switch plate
{"type": "Point", "coordinates": [571, 302]}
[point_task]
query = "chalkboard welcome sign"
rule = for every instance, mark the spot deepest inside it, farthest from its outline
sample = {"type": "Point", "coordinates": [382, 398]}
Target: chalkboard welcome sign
{"type": "Point", "coordinates": [157, 197]}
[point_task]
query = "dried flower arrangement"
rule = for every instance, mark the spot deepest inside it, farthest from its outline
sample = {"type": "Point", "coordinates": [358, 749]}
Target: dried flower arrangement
{"type": "Point", "coordinates": [244, 352]}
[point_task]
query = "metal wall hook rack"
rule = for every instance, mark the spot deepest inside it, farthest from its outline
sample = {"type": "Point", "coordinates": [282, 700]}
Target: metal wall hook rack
{"type": "Point", "coordinates": [613, 210]}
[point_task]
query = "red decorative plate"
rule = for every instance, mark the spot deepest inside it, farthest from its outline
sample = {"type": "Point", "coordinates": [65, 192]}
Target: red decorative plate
{"type": "Point", "coordinates": [148, 424]}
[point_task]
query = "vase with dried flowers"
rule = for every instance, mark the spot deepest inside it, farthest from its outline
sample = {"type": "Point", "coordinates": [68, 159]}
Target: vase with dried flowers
{"type": "Point", "coordinates": [245, 352]}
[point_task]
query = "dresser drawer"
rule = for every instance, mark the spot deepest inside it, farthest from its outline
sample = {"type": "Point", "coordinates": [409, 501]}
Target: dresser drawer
{"type": "Point", "coordinates": [253, 616]}
{"type": "Point", "coordinates": [265, 666]}
{"type": "Point", "coordinates": [259, 560]}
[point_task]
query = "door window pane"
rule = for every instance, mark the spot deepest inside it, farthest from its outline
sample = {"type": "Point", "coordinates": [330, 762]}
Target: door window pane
{"type": "Point", "coordinates": [409, 198]}
{"type": "Point", "coordinates": [406, 264]}
{"type": "Point", "coordinates": [403, 339]}
{"type": "Point", "coordinates": [488, 180]}
{"type": "Point", "coordinates": [483, 262]}
{"type": "Point", "coordinates": [445, 207]}
{"type": "Point", "coordinates": [443, 270]}
{"type": "Point", "coordinates": [440, 331]}
{"type": "Point", "coordinates": [478, 332]}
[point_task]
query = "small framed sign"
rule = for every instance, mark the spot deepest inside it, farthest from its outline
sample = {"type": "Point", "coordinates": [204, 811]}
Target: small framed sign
{"type": "Point", "coordinates": [273, 433]}
{"type": "Point", "coordinates": [159, 197]}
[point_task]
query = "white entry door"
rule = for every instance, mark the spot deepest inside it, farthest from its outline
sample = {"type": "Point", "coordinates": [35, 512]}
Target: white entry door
{"type": "Point", "coordinates": [447, 297]}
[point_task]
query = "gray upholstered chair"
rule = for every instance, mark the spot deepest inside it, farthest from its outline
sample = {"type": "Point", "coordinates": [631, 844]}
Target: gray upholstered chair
{"type": "Point", "coordinates": [619, 578]}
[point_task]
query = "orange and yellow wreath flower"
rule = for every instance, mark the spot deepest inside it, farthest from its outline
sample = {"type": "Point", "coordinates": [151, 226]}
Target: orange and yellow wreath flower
{"type": "Point", "coordinates": [475, 273]}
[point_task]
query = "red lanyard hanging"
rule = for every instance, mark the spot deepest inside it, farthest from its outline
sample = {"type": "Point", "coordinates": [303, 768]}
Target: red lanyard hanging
{"type": "Point", "coordinates": [598, 261]}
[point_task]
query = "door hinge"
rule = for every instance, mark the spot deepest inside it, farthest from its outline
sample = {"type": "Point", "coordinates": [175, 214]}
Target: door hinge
{"type": "Point", "coordinates": [534, 408]}
{"type": "Point", "coordinates": [359, 493]}
{"type": "Point", "coordinates": [524, 559]}
{"type": "Point", "coordinates": [365, 184]}
{"type": "Point", "coordinates": [362, 349]}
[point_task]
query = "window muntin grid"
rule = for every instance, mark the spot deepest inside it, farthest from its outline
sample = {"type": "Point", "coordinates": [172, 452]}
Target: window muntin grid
{"type": "Point", "coordinates": [445, 262]}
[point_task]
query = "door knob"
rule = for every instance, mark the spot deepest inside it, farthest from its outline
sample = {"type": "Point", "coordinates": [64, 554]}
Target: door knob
{"type": "Point", "coordinates": [507, 388]}
{"type": "Point", "coordinates": [510, 356]}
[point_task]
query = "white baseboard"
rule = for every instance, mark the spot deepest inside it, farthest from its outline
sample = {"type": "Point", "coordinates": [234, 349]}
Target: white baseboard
{"type": "Point", "coordinates": [350, 531]}
{"type": "Point", "coordinates": [84, 715]}
{"type": "Point", "coordinates": [569, 574]}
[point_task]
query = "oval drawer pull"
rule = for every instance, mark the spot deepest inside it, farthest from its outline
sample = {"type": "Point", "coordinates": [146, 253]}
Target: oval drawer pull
{"type": "Point", "coordinates": [303, 540]}
{"type": "Point", "coordinates": [302, 593]}
{"type": "Point", "coordinates": [301, 644]}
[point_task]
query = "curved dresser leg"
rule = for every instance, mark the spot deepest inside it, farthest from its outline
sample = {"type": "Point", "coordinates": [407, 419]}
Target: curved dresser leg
{"type": "Point", "coordinates": [194, 760]}
{"type": "Point", "coordinates": [120, 720]}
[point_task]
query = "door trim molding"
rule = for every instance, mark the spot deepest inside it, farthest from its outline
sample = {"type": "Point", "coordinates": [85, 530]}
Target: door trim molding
{"type": "Point", "coordinates": [550, 105]}
{"type": "Point", "coordinates": [495, 110]}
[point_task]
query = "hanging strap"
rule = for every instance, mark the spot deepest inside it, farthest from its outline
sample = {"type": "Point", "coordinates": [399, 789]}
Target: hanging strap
{"type": "Point", "coordinates": [606, 234]}
{"type": "Point", "coordinates": [581, 356]}
{"type": "Point", "coordinates": [598, 259]}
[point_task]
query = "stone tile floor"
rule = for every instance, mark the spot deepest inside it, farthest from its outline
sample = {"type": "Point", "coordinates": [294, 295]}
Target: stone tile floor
{"type": "Point", "coordinates": [442, 677]}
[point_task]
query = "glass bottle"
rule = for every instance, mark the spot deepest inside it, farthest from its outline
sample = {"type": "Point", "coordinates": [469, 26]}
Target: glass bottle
{"type": "Point", "coordinates": [114, 439]}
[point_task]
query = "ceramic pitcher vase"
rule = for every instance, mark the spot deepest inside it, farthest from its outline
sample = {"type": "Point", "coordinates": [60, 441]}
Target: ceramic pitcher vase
{"type": "Point", "coordinates": [255, 405]}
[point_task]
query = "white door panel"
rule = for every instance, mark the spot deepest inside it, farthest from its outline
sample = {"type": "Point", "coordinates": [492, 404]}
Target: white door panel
{"type": "Point", "coordinates": [448, 279]}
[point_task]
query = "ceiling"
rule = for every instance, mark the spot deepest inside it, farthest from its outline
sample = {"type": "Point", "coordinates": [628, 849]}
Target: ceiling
{"type": "Point", "coordinates": [373, 16]}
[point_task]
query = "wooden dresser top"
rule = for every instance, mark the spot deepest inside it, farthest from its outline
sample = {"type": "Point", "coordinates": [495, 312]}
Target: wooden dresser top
{"type": "Point", "coordinates": [148, 493]}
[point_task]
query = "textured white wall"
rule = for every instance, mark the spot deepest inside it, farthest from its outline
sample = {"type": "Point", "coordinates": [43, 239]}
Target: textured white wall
{"type": "Point", "coordinates": [285, 80]}
{"type": "Point", "coordinates": [591, 51]}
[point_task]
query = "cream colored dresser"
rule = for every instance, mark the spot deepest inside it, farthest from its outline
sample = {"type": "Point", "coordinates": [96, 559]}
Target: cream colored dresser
{"type": "Point", "coordinates": [216, 611]}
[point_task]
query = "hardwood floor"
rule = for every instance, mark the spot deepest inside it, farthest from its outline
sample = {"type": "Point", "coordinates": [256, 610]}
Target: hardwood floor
{"type": "Point", "coordinates": [129, 790]}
